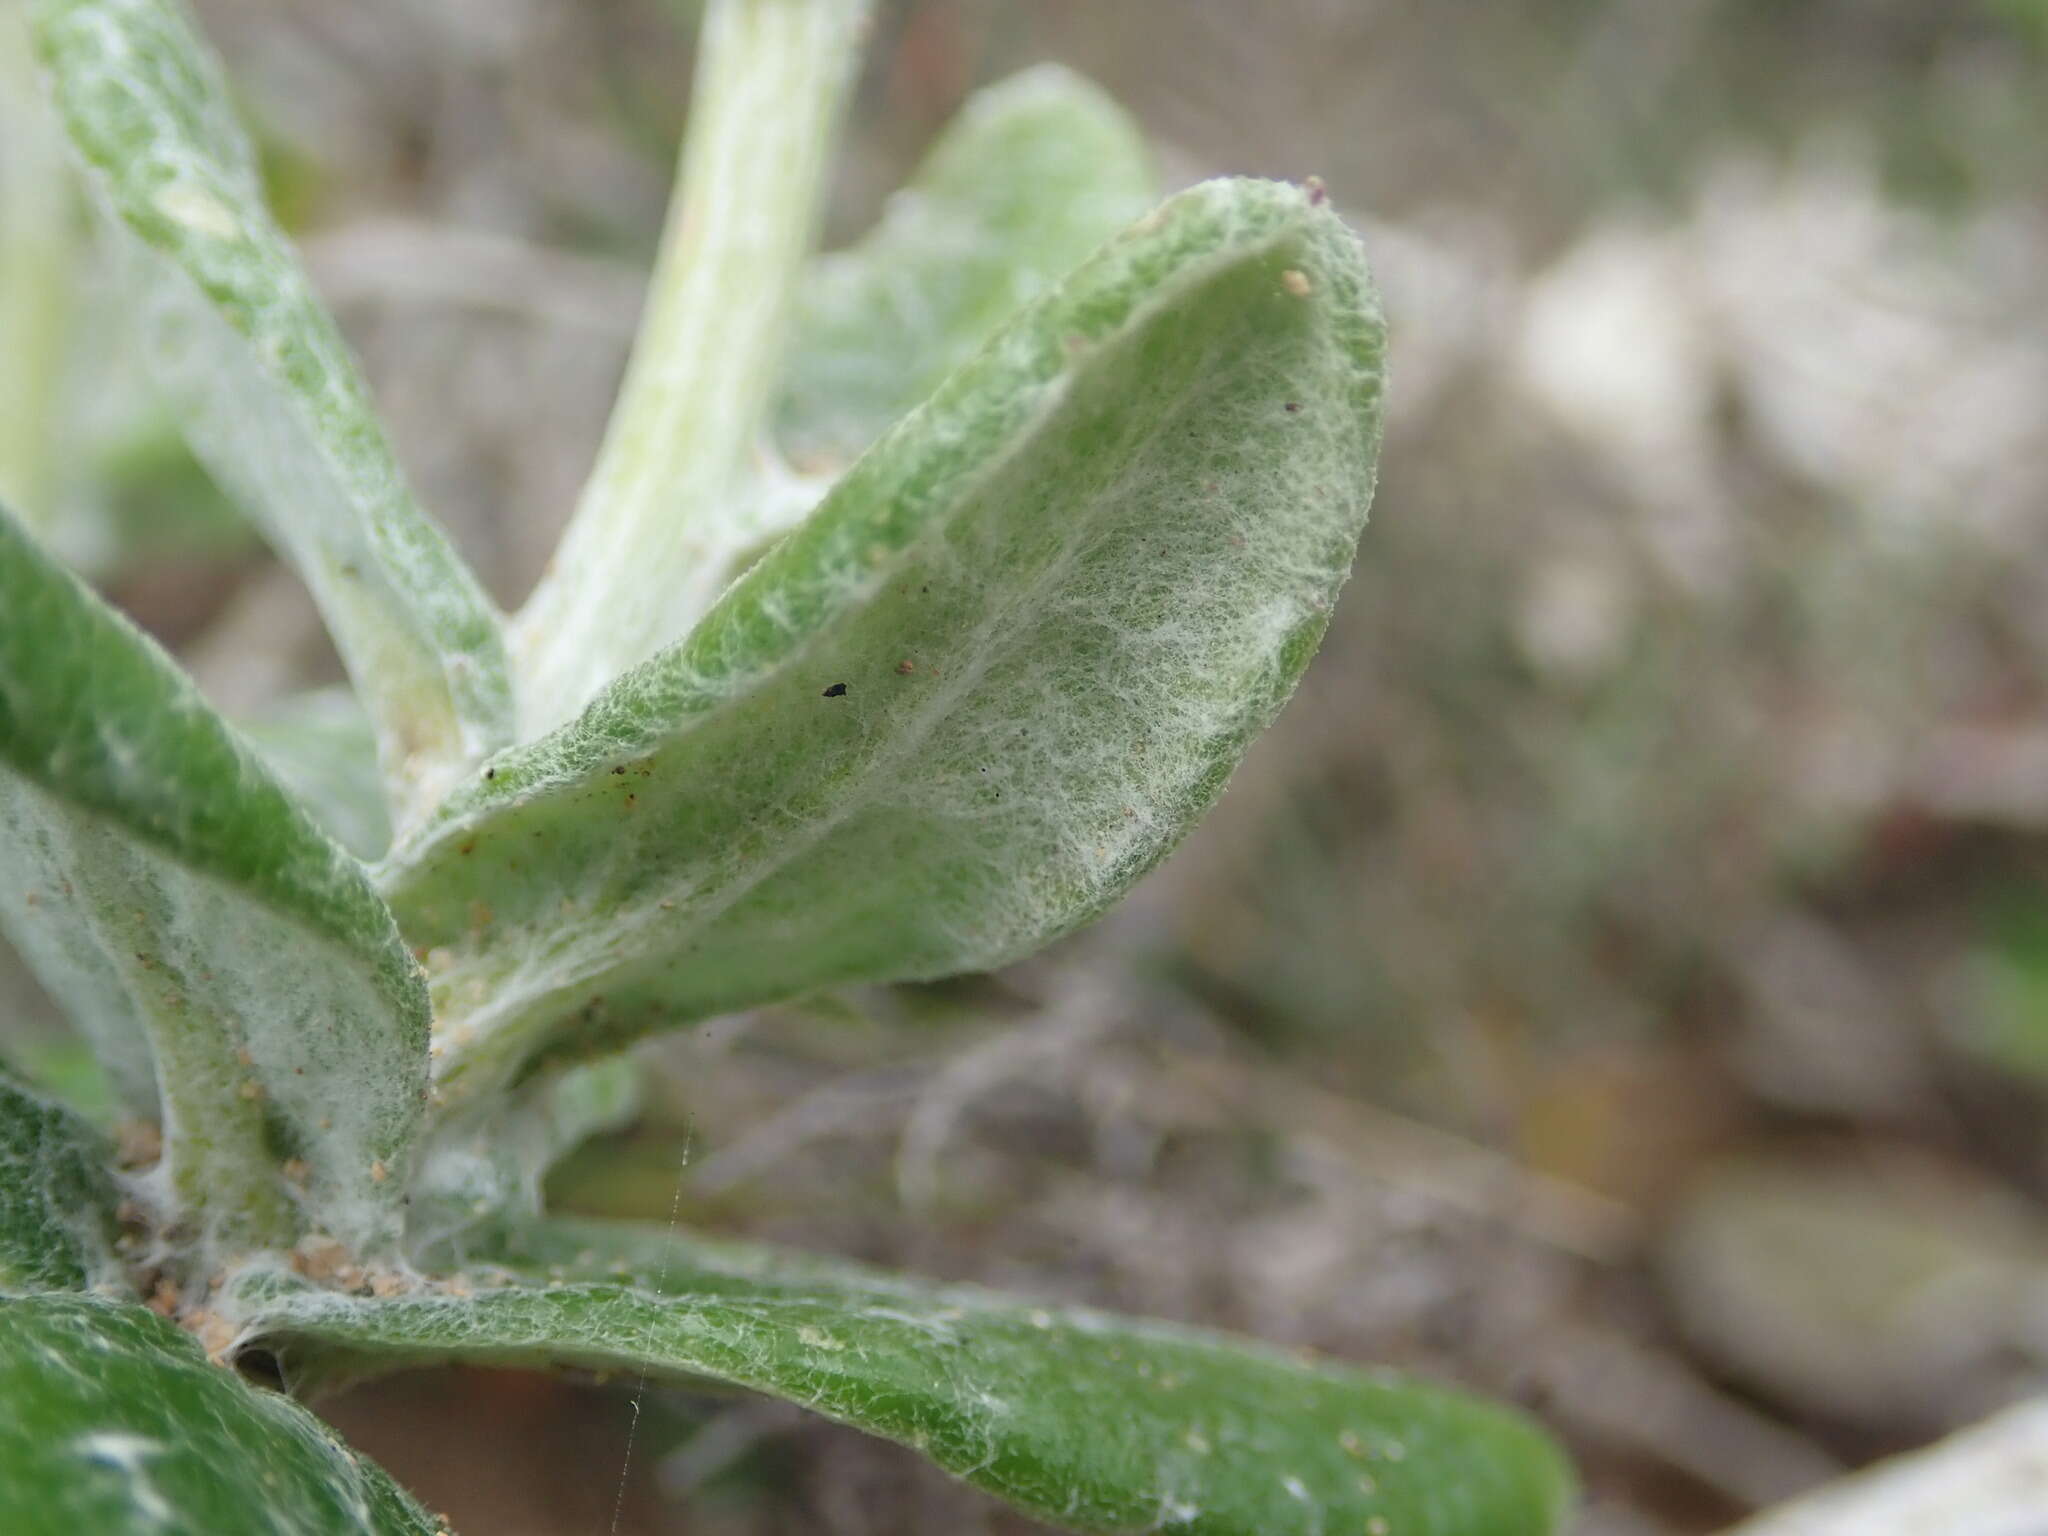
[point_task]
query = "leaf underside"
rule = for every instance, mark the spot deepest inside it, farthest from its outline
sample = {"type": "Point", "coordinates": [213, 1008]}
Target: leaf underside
{"type": "Point", "coordinates": [192, 918]}
{"type": "Point", "coordinates": [116, 1423]}
{"type": "Point", "coordinates": [1096, 1423]}
{"type": "Point", "coordinates": [991, 681]}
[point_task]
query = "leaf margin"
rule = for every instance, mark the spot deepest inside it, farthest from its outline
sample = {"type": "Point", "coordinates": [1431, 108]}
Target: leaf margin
{"type": "Point", "coordinates": [1512, 1481]}
{"type": "Point", "coordinates": [100, 725]}
{"type": "Point", "coordinates": [145, 104]}
{"type": "Point", "coordinates": [755, 637]}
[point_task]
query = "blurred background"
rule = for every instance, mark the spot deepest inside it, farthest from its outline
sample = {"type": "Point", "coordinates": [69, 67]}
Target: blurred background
{"type": "Point", "coordinates": [1618, 983]}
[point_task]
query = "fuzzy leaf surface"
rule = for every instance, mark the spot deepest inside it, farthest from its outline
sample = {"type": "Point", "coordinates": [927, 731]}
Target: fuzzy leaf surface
{"type": "Point", "coordinates": [1093, 1422]}
{"type": "Point", "coordinates": [274, 403]}
{"type": "Point", "coordinates": [112, 1422]}
{"type": "Point", "coordinates": [192, 917]}
{"type": "Point", "coordinates": [989, 683]}
{"type": "Point", "coordinates": [1026, 182]}
{"type": "Point", "coordinates": [57, 1198]}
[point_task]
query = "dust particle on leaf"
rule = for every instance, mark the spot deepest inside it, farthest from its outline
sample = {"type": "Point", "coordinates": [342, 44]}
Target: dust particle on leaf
{"type": "Point", "coordinates": [1296, 283]}
{"type": "Point", "coordinates": [836, 691]}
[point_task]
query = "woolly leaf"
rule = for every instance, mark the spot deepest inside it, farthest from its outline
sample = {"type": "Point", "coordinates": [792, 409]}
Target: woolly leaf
{"type": "Point", "coordinates": [57, 1198]}
{"type": "Point", "coordinates": [987, 685]}
{"type": "Point", "coordinates": [188, 913]}
{"type": "Point", "coordinates": [1095, 1423]}
{"type": "Point", "coordinates": [112, 1420]}
{"type": "Point", "coordinates": [273, 402]}
{"type": "Point", "coordinates": [1033, 175]}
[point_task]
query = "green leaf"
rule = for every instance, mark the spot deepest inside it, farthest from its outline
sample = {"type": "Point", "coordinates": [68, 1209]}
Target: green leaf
{"type": "Point", "coordinates": [1093, 1422]}
{"type": "Point", "coordinates": [1033, 175]}
{"type": "Point", "coordinates": [57, 1197]}
{"type": "Point", "coordinates": [112, 1422]}
{"type": "Point", "coordinates": [275, 406]}
{"type": "Point", "coordinates": [67, 1070]}
{"type": "Point", "coordinates": [189, 914]}
{"type": "Point", "coordinates": [985, 687]}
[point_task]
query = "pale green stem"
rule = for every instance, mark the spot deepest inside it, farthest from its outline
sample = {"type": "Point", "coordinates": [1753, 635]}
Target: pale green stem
{"type": "Point", "coordinates": [771, 80]}
{"type": "Point", "coordinates": [36, 252]}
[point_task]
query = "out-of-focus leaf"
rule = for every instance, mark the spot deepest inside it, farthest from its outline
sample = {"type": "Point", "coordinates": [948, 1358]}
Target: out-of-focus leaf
{"type": "Point", "coordinates": [322, 747]}
{"type": "Point", "coordinates": [986, 686]}
{"type": "Point", "coordinates": [38, 255]}
{"type": "Point", "coordinates": [57, 1197]}
{"type": "Point", "coordinates": [189, 914]}
{"type": "Point", "coordinates": [112, 1422]}
{"type": "Point", "coordinates": [68, 1072]}
{"type": "Point", "coordinates": [274, 403]}
{"type": "Point", "coordinates": [1033, 175]}
{"type": "Point", "coordinates": [1913, 1298]}
{"type": "Point", "coordinates": [1093, 1422]}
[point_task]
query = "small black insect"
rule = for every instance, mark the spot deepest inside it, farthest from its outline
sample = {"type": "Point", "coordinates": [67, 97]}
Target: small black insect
{"type": "Point", "coordinates": [837, 690]}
